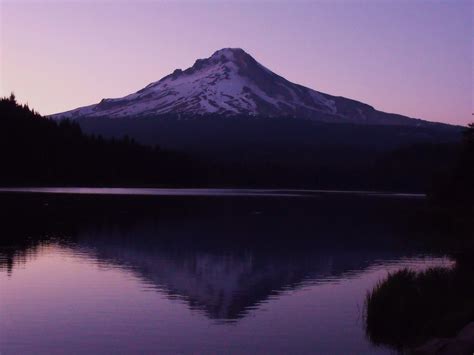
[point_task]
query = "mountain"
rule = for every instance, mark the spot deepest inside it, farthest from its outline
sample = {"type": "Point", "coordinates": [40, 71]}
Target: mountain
{"type": "Point", "coordinates": [233, 83]}
{"type": "Point", "coordinates": [243, 125]}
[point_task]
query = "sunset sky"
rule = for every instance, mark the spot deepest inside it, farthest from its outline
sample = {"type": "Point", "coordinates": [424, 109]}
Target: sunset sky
{"type": "Point", "coordinates": [410, 57]}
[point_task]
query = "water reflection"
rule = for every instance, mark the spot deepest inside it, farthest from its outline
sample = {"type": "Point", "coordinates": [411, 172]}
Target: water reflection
{"type": "Point", "coordinates": [226, 258]}
{"type": "Point", "coordinates": [294, 271]}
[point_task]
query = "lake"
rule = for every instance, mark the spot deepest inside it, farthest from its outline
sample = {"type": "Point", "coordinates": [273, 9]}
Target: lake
{"type": "Point", "coordinates": [198, 271]}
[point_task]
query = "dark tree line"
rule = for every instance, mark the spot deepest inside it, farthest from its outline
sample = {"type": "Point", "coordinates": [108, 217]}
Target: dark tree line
{"type": "Point", "coordinates": [219, 152]}
{"type": "Point", "coordinates": [296, 153]}
{"type": "Point", "coordinates": [453, 196]}
{"type": "Point", "coordinates": [408, 308]}
{"type": "Point", "coordinates": [38, 151]}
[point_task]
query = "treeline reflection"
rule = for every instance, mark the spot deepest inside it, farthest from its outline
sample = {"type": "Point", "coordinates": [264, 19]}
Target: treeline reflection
{"type": "Point", "coordinates": [224, 256]}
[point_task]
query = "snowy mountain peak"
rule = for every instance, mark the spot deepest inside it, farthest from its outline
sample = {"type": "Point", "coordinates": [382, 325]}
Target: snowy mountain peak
{"type": "Point", "coordinates": [231, 82]}
{"type": "Point", "coordinates": [229, 53]}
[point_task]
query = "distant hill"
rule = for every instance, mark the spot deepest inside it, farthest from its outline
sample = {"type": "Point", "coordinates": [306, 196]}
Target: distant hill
{"type": "Point", "coordinates": [262, 151]}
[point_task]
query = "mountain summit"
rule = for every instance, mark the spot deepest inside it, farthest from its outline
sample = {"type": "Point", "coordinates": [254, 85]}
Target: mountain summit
{"type": "Point", "coordinates": [231, 83]}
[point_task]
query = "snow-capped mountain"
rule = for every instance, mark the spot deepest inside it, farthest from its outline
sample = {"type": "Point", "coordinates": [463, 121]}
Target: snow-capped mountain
{"type": "Point", "coordinates": [229, 83]}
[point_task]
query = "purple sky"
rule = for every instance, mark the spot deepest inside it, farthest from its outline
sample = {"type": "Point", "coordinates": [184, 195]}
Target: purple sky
{"type": "Point", "coordinates": [410, 57]}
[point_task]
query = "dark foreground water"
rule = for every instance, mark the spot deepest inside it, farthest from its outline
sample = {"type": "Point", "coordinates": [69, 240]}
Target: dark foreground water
{"type": "Point", "coordinates": [202, 273]}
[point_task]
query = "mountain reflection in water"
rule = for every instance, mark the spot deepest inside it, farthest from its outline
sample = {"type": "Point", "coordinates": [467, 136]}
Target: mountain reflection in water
{"type": "Point", "coordinates": [225, 258]}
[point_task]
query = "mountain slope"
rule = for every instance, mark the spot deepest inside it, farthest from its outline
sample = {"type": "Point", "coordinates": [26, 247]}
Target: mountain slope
{"type": "Point", "coordinates": [231, 83]}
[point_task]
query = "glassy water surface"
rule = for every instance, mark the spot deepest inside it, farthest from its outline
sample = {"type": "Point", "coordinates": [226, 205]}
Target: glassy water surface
{"type": "Point", "coordinates": [259, 274]}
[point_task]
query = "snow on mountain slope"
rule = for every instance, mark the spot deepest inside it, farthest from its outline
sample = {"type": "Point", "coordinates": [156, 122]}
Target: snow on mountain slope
{"type": "Point", "coordinates": [230, 83]}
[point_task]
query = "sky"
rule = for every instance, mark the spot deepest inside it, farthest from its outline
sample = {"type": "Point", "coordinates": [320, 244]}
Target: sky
{"type": "Point", "coordinates": [412, 57]}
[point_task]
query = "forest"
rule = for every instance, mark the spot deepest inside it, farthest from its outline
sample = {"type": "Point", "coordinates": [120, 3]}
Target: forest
{"type": "Point", "coordinates": [438, 302]}
{"type": "Point", "coordinates": [212, 152]}
{"type": "Point", "coordinates": [36, 151]}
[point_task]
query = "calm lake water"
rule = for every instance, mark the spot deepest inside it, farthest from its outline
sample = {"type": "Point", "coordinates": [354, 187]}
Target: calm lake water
{"type": "Point", "coordinates": [264, 271]}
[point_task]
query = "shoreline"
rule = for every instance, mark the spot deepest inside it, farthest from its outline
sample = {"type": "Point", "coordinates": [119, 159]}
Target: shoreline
{"type": "Point", "coordinates": [231, 192]}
